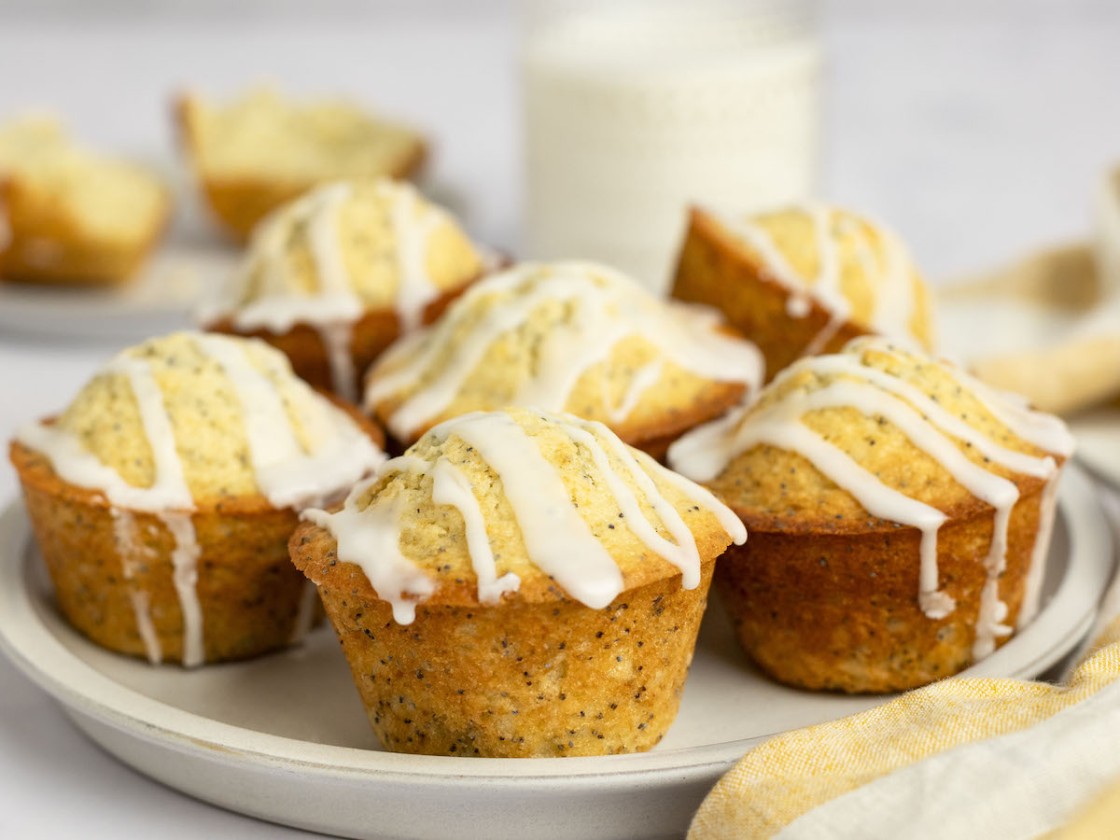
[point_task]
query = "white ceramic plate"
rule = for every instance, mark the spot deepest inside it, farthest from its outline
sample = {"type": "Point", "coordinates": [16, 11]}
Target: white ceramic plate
{"type": "Point", "coordinates": [160, 300]}
{"type": "Point", "coordinates": [1098, 442]}
{"type": "Point", "coordinates": [284, 738]}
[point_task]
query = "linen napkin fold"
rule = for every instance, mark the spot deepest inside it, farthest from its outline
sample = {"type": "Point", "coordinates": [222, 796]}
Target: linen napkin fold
{"type": "Point", "coordinates": [965, 757]}
{"type": "Point", "coordinates": [1047, 327]}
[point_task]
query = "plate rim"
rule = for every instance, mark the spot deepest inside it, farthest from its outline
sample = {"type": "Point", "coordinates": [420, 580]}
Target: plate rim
{"type": "Point", "coordinates": [139, 307]}
{"type": "Point", "coordinates": [85, 690]}
{"type": "Point", "coordinates": [1083, 424]}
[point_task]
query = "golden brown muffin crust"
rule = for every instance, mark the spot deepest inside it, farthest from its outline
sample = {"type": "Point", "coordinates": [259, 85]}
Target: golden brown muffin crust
{"type": "Point", "coordinates": [514, 364]}
{"type": "Point", "coordinates": [718, 269]}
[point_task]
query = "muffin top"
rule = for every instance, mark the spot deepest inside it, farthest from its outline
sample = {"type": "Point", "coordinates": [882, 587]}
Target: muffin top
{"type": "Point", "coordinates": [190, 419]}
{"type": "Point", "coordinates": [344, 249]}
{"type": "Point", "coordinates": [567, 336]}
{"type": "Point", "coordinates": [266, 136]}
{"type": "Point", "coordinates": [907, 421]}
{"type": "Point", "coordinates": [110, 199]}
{"type": "Point", "coordinates": [874, 438]}
{"type": "Point", "coordinates": [518, 501]}
{"type": "Point", "coordinates": [856, 269]}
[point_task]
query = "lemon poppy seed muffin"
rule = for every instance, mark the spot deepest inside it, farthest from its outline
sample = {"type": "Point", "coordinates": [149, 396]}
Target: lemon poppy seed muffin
{"type": "Point", "coordinates": [333, 278]}
{"type": "Point", "coordinates": [804, 280]}
{"type": "Point", "coordinates": [163, 497]}
{"type": "Point", "coordinates": [69, 216]}
{"type": "Point", "coordinates": [518, 584]}
{"type": "Point", "coordinates": [899, 513]}
{"type": "Point", "coordinates": [262, 150]}
{"type": "Point", "coordinates": [567, 336]}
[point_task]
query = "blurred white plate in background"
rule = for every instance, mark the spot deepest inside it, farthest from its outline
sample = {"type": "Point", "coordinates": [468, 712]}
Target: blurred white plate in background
{"type": "Point", "coordinates": [159, 300]}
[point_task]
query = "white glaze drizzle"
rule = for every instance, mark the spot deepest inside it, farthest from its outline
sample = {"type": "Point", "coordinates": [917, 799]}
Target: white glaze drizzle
{"type": "Point", "coordinates": [895, 300]}
{"type": "Point", "coordinates": [706, 452]}
{"type": "Point", "coordinates": [875, 497]}
{"type": "Point", "coordinates": [184, 563]}
{"type": "Point", "coordinates": [870, 401]}
{"type": "Point", "coordinates": [1002, 495]}
{"type": "Point", "coordinates": [1045, 431]}
{"type": "Point", "coordinates": [778, 268]}
{"type": "Point", "coordinates": [370, 539]}
{"type": "Point", "coordinates": [337, 337]}
{"type": "Point", "coordinates": [334, 306]}
{"type": "Point", "coordinates": [277, 305]}
{"type": "Point", "coordinates": [451, 487]}
{"type": "Point", "coordinates": [169, 476]}
{"type": "Point", "coordinates": [142, 609]}
{"type": "Point", "coordinates": [1032, 591]}
{"type": "Point", "coordinates": [827, 284]}
{"type": "Point", "coordinates": [425, 347]}
{"type": "Point", "coordinates": [128, 547]}
{"type": "Point", "coordinates": [643, 379]}
{"type": "Point", "coordinates": [889, 277]}
{"type": "Point", "coordinates": [603, 308]}
{"type": "Point", "coordinates": [286, 475]}
{"type": "Point", "coordinates": [324, 240]}
{"type": "Point", "coordinates": [848, 363]}
{"type": "Point", "coordinates": [826, 333]}
{"type": "Point", "coordinates": [324, 237]}
{"type": "Point", "coordinates": [556, 537]}
{"type": "Point", "coordinates": [641, 467]}
{"type": "Point", "coordinates": [825, 290]}
{"type": "Point", "coordinates": [697, 493]}
{"type": "Point", "coordinates": [78, 466]}
{"type": "Point", "coordinates": [798, 306]}
{"type": "Point", "coordinates": [682, 551]}
{"type": "Point", "coordinates": [412, 233]}
{"type": "Point", "coordinates": [863, 246]}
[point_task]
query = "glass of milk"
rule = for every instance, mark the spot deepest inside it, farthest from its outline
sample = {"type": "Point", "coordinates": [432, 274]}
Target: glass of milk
{"type": "Point", "coordinates": [635, 109]}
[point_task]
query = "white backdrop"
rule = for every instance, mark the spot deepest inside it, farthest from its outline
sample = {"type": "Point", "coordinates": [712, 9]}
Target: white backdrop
{"type": "Point", "coordinates": [975, 128]}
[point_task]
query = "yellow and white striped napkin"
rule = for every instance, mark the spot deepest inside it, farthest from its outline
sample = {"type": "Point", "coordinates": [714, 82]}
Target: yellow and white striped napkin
{"type": "Point", "coordinates": [965, 757]}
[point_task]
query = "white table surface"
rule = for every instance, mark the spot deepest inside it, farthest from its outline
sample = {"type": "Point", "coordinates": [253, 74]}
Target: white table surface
{"type": "Point", "coordinates": [977, 137]}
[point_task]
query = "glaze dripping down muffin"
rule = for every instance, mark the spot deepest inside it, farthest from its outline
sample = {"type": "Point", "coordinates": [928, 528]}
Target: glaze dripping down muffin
{"type": "Point", "coordinates": [804, 280]}
{"type": "Point", "coordinates": [900, 516]}
{"type": "Point", "coordinates": [518, 584]}
{"type": "Point", "coordinates": [163, 496]}
{"type": "Point", "coordinates": [333, 278]}
{"type": "Point", "coordinates": [568, 336]}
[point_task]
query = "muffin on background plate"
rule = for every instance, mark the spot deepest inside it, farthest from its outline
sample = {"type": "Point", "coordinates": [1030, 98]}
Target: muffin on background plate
{"type": "Point", "coordinates": [262, 150]}
{"type": "Point", "coordinates": [69, 216]}
{"type": "Point", "coordinates": [900, 515]}
{"type": "Point", "coordinates": [804, 280]}
{"type": "Point", "coordinates": [518, 584]}
{"type": "Point", "coordinates": [334, 277]}
{"type": "Point", "coordinates": [162, 498]}
{"type": "Point", "coordinates": [574, 337]}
